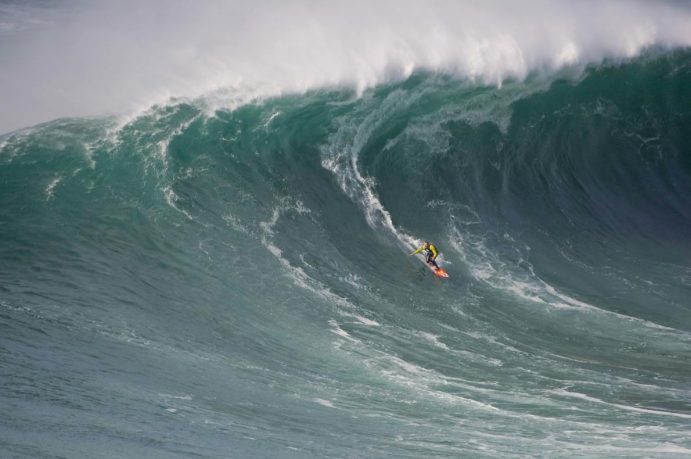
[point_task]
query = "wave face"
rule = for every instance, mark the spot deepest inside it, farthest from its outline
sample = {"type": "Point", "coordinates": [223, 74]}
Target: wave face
{"type": "Point", "coordinates": [238, 284]}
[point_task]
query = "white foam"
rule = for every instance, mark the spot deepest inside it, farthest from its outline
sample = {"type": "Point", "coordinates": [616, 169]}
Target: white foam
{"type": "Point", "coordinates": [566, 393]}
{"type": "Point", "coordinates": [296, 273]}
{"type": "Point", "coordinates": [489, 268]}
{"type": "Point", "coordinates": [419, 380]}
{"type": "Point", "coordinates": [177, 397]}
{"type": "Point", "coordinates": [202, 48]}
{"type": "Point", "coordinates": [235, 223]}
{"type": "Point", "coordinates": [336, 329]}
{"type": "Point", "coordinates": [327, 403]}
{"type": "Point", "coordinates": [270, 119]}
{"type": "Point", "coordinates": [434, 339]}
{"type": "Point", "coordinates": [360, 319]}
{"type": "Point", "coordinates": [51, 187]}
{"type": "Point", "coordinates": [161, 153]}
{"type": "Point", "coordinates": [172, 199]}
{"type": "Point", "coordinates": [341, 156]}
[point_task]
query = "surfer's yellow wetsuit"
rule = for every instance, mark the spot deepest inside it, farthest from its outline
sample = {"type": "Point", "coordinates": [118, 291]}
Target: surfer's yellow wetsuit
{"type": "Point", "coordinates": [432, 253]}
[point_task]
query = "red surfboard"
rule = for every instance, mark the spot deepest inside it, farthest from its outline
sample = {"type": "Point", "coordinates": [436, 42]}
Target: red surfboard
{"type": "Point", "coordinates": [440, 272]}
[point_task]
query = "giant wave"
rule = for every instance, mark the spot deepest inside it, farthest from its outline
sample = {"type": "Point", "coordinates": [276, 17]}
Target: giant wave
{"type": "Point", "coordinates": [194, 280]}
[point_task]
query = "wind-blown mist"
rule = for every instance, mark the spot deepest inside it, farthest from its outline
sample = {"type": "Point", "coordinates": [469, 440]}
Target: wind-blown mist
{"type": "Point", "coordinates": [90, 58]}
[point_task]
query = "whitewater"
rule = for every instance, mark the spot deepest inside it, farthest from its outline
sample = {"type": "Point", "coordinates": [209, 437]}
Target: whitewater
{"type": "Point", "coordinates": [207, 210]}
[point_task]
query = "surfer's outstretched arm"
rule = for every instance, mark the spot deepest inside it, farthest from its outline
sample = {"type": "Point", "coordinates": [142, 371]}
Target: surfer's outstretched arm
{"type": "Point", "coordinates": [418, 250]}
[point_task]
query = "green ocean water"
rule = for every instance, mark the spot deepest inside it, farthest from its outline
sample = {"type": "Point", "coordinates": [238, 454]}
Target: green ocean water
{"type": "Point", "coordinates": [236, 283]}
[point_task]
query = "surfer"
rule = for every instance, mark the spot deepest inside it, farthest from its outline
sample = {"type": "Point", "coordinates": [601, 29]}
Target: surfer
{"type": "Point", "coordinates": [431, 253]}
